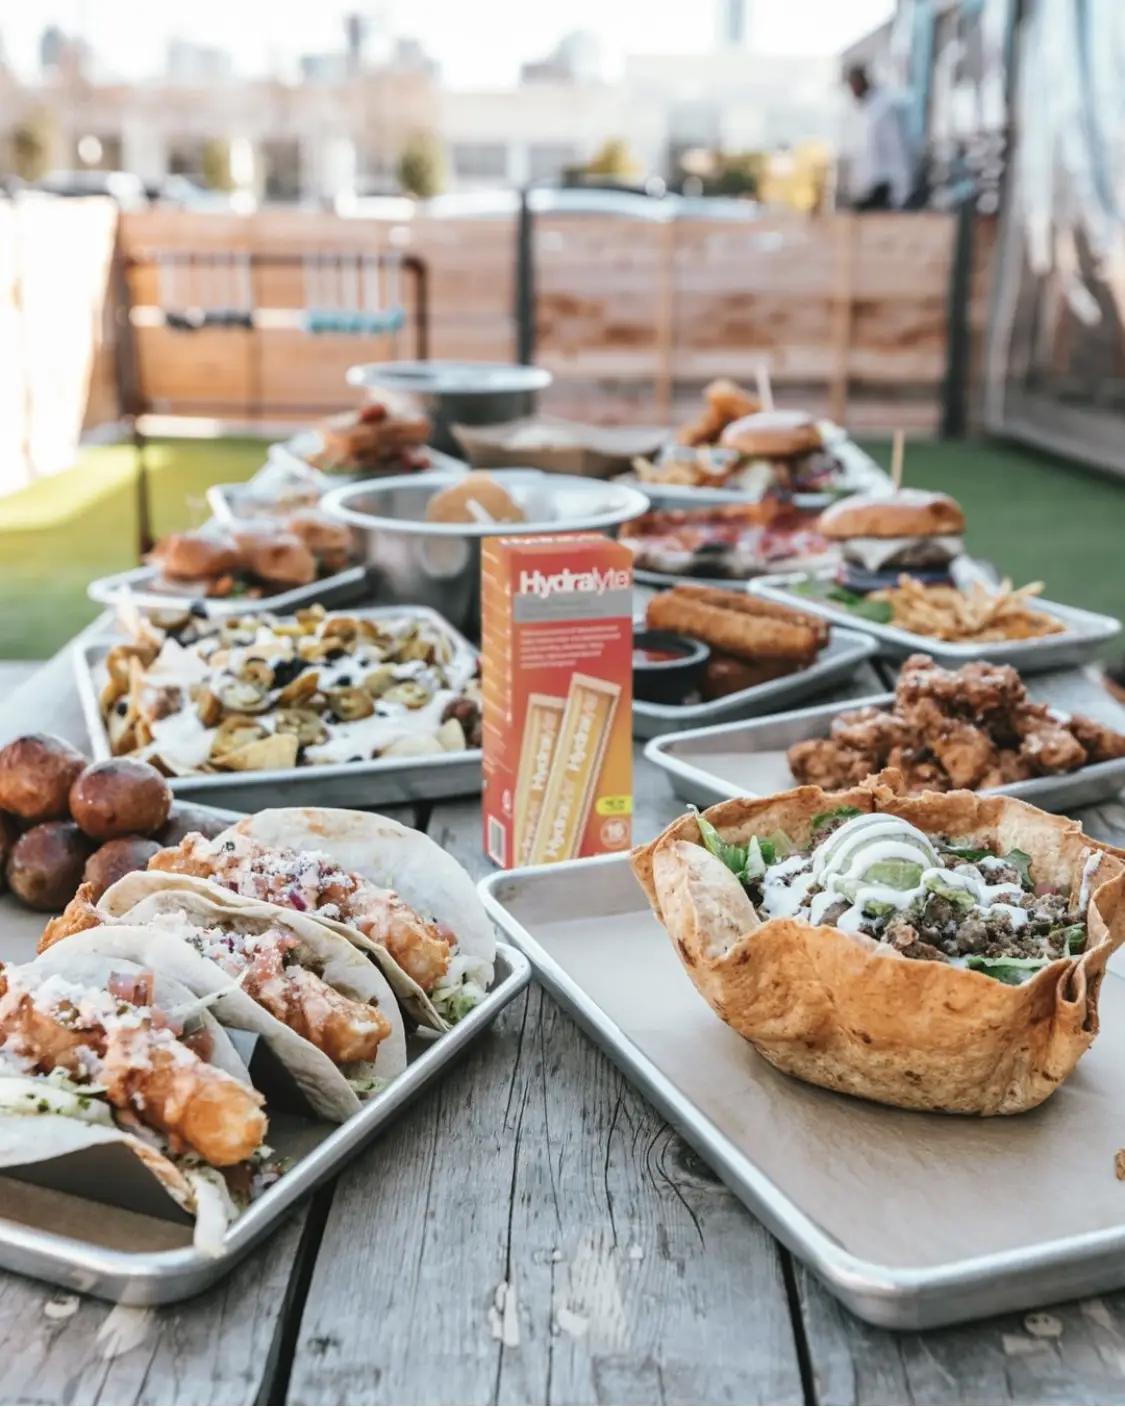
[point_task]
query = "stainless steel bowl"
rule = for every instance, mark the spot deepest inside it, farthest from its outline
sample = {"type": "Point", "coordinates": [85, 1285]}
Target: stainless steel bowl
{"type": "Point", "coordinates": [411, 560]}
{"type": "Point", "coordinates": [458, 393]}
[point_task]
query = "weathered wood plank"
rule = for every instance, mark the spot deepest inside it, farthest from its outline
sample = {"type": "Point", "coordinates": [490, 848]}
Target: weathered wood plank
{"type": "Point", "coordinates": [1073, 1353]}
{"type": "Point", "coordinates": [534, 1232]}
{"type": "Point", "coordinates": [226, 1346]}
{"type": "Point", "coordinates": [220, 1348]}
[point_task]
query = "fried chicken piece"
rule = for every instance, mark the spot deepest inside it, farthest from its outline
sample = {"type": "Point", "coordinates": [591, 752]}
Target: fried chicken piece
{"type": "Point", "coordinates": [872, 731]}
{"type": "Point", "coordinates": [919, 770]}
{"type": "Point", "coordinates": [1102, 744]}
{"type": "Point", "coordinates": [1052, 748]}
{"type": "Point", "coordinates": [821, 762]}
{"type": "Point", "coordinates": [1010, 766]}
{"type": "Point", "coordinates": [964, 751]}
{"type": "Point", "coordinates": [980, 692]}
{"type": "Point", "coordinates": [79, 915]}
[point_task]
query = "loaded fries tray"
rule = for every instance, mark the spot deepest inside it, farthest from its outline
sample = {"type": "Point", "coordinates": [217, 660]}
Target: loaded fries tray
{"type": "Point", "coordinates": [1084, 636]}
{"type": "Point", "coordinates": [368, 782]}
{"type": "Point", "coordinates": [748, 758]}
{"type": "Point", "coordinates": [103, 1232]}
{"type": "Point", "coordinates": [913, 1220]}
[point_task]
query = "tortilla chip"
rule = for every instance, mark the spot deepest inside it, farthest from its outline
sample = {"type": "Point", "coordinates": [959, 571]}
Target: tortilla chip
{"type": "Point", "coordinates": [262, 755]}
{"type": "Point", "coordinates": [850, 1014]}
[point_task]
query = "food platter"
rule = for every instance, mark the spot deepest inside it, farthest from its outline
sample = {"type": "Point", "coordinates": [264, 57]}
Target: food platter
{"type": "Point", "coordinates": [861, 475]}
{"type": "Point", "coordinates": [133, 586]}
{"type": "Point", "coordinates": [228, 502]}
{"type": "Point", "coordinates": [141, 1259]}
{"type": "Point", "coordinates": [374, 782]}
{"type": "Point", "coordinates": [1085, 635]}
{"type": "Point", "coordinates": [845, 652]}
{"type": "Point", "coordinates": [805, 1161]}
{"type": "Point", "coordinates": [748, 758]}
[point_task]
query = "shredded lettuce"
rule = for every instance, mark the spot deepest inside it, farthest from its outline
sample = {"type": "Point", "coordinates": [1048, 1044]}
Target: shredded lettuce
{"type": "Point", "coordinates": [1020, 861]}
{"type": "Point", "coordinates": [733, 856]}
{"type": "Point", "coordinates": [962, 899]}
{"type": "Point", "coordinates": [747, 862]}
{"type": "Point", "coordinates": [880, 611]}
{"type": "Point", "coordinates": [841, 813]}
{"type": "Point", "coordinates": [971, 853]}
{"type": "Point", "coordinates": [1013, 972]}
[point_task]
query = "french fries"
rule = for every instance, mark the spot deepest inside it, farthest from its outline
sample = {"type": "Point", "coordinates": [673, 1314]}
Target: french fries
{"type": "Point", "coordinates": [946, 613]}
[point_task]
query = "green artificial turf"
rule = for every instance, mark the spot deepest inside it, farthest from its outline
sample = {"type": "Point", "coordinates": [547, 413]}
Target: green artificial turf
{"type": "Point", "coordinates": [62, 532]}
{"type": "Point", "coordinates": [1038, 519]}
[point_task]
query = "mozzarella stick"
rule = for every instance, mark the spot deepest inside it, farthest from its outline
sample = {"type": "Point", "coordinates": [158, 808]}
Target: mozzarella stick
{"type": "Point", "coordinates": [747, 605]}
{"type": "Point", "coordinates": [731, 632]}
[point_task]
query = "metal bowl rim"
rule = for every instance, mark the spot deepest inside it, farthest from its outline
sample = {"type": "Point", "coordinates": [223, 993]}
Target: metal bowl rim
{"type": "Point", "coordinates": [390, 376]}
{"type": "Point", "coordinates": [334, 503]}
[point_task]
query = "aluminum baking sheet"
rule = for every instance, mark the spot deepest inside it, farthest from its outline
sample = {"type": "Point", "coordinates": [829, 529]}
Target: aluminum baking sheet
{"type": "Point", "coordinates": [134, 586]}
{"type": "Point", "coordinates": [377, 782]}
{"type": "Point", "coordinates": [140, 1259]}
{"type": "Point", "coordinates": [227, 501]}
{"type": "Point", "coordinates": [845, 652]}
{"type": "Point", "coordinates": [913, 1220]}
{"type": "Point", "coordinates": [748, 758]}
{"type": "Point", "coordinates": [1086, 636]}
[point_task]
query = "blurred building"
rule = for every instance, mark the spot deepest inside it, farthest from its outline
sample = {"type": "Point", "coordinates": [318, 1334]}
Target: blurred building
{"type": "Point", "coordinates": [576, 58]}
{"type": "Point", "coordinates": [733, 20]}
{"type": "Point", "coordinates": [187, 62]}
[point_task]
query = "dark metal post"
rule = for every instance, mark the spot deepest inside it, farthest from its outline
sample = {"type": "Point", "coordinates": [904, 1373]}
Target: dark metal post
{"type": "Point", "coordinates": [417, 269]}
{"type": "Point", "coordinates": [525, 282]}
{"type": "Point", "coordinates": [954, 416]}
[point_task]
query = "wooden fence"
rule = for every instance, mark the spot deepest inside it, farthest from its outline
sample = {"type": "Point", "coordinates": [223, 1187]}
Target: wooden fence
{"type": "Point", "coordinates": [631, 316]}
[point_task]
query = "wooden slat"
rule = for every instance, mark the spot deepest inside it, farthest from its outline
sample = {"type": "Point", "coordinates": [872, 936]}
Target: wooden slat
{"type": "Point", "coordinates": [536, 1165]}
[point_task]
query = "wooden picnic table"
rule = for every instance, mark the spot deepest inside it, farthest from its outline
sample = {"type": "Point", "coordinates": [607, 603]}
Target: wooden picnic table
{"type": "Point", "coordinates": [532, 1231]}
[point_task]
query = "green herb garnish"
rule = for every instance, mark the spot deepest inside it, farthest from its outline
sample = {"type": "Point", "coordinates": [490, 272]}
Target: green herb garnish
{"type": "Point", "coordinates": [880, 611]}
{"type": "Point", "coordinates": [1020, 861]}
{"type": "Point", "coordinates": [967, 852]}
{"type": "Point", "coordinates": [747, 862]}
{"type": "Point", "coordinates": [1011, 971]}
{"type": "Point", "coordinates": [841, 813]}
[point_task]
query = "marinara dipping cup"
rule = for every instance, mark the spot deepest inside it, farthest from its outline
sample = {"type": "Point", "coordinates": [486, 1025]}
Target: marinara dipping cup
{"type": "Point", "coordinates": [666, 667]}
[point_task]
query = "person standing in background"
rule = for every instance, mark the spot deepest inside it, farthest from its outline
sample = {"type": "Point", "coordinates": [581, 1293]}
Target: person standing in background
{"type": "Point", "coordinates": [885, 164]}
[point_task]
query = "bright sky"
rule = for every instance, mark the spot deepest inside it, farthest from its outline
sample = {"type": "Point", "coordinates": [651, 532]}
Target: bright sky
{"type": "Point", "coordinates": [479, 43]}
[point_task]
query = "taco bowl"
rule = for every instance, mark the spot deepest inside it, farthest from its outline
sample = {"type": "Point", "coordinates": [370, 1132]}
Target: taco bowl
{"type": "Point", "coordinates": [940, 952]}
{"type": "Point", "coordinates": [324, 1009]}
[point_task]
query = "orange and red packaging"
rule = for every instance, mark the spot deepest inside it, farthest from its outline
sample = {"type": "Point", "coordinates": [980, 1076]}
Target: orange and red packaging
{"type": "Point", "coordinates": [557, 656]}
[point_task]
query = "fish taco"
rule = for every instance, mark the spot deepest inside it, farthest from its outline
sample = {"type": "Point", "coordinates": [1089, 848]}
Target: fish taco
{"type": "Point", "coordinates": [98, 1051]}
{"type": "Point", "coordinates": [327, 1012]}
{"type": "Point", "coordinates": [390, 890]}
{"type": "Point", "coordinates": [942, 951]}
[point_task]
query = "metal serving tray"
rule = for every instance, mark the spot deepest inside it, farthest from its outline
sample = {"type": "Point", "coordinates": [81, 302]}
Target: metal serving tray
{"type": "Point", "coordinates": [377, 782]}
{"type": "Point", "coordinates": [913, 1220]}
{"type": "Point", "coordinates": [143, 1260]}
{"type": "Point", "coordinates": [225, 500]}
{"type": "Point", "coordinates": [1086, 632]}
{"type": "Point", "coordinates": [748, 758]}
{"type": "Point", "coordinates": [864, 476]}
{"type": "Point", "coordinates": [841, 657]}
{"type": "Point", "coordinates": [335, 590]}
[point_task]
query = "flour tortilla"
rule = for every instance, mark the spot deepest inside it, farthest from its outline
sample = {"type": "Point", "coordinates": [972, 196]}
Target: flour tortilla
{"type": "Point", "coordinates": [38, 1137]}
{"type": "Point", "coordinates": [848, 1013]}
{"type": "Point", "coordinates": [140, 911]}
{"type": "Point", "coordinates": [395, 857]}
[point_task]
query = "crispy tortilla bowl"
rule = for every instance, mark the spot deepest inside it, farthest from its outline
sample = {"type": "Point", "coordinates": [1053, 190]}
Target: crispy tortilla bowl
{"type": "Point", "coordinates": [853, 1015]}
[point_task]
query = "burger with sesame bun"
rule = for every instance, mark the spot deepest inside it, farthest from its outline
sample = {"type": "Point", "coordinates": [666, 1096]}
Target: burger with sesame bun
{"type": "Point", "coordinates": [910, 532]}
{"type": "Point", "coordinates": [789, 442]}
